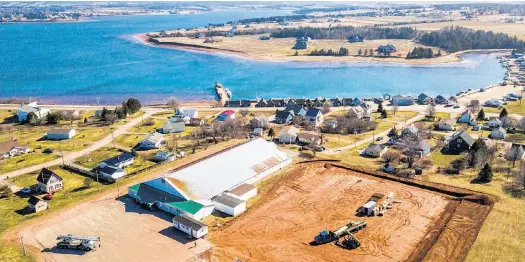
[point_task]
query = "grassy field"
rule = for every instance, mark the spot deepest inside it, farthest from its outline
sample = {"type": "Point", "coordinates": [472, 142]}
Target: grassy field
{"type": "Point", "coordinates": [501, 237]}
{"type": "Point", "coordinates": [6, 115]}
{"type": "Point", "coordinates": [147, 126]}
{"type": "Point", "coordinates": [441, 160]}
{"type": "Point", "coordinates": [26, 160]}
{"type": "Point", "coordinates": [92, 159]}
{"type": "Point", "coordinates": [129, 140]}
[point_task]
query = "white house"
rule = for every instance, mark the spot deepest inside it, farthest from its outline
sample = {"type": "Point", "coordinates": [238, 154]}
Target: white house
{"type": "Point", "coordinates": [121, 161]}
{"type": "Point", "coordinates": [24, 110]}
{"type": "Point", "coordinates": [446, 124]}
{"type": "Point", "coordinates": [12, 148]}
{"type": "Point", "coordinates": [188, 112]}
{"type": "Point", "coordinates": [498, 133]}
{"type": "Point", "coordinates": [288, 135]}
{"type": "Point", "coordinates": [184, 119]}
{"type": "Point", "coordinates": [260, 121]}
{"type": "Point", "coordinates": [190, 226]}
{"type": "Point", "coordinates": [243, 191]}
{"type": "Point", "coordinates": [466, 117]}
{"type": "Point", "coordinates": [356, 112]}
{"type": "Point", "coordinates": [375, 150]}
{"type": "Point", "coordinates": [110, 172]}
{"type": "Point", "coordinates": [257, 131]}
{"type": "Point", "coordinates": [308, 137]}
{"type": "Point", "coordinates": [229, 205]}
{"type": "Point", "coordinates": [173, 127]}
{"type": "Point", "coordinates": [60, 134]}
{"type": "Point", "coordinates": [494, 122]}
{"type": "Point", "coordinates": [314, 116]}
{"type": "Point", "coordinates": [409, 130]}
{"type": "Point", "coordinates": [164, 156]}
{"type": "Point", "coordinates": [152, 141]}
{"type": "Point", "coordinates": [48, 181]}
{"type": "Point", "coordinates": [36, 204]}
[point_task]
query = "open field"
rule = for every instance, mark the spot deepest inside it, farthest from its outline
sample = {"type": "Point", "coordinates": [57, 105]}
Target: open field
{"type": "Point", "coordinates": [33, 158]}
{"type": "Point", "coordinates": [304, 202]}
{"type": "Point", "coordinates": [281, 48]}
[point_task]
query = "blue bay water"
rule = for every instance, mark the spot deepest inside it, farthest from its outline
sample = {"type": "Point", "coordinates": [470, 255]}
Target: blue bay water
{"type": "Point", "coordinates": [78, 62]}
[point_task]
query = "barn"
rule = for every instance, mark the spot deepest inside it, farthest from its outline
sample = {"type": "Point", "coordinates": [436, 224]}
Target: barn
{"type": "Point", "coordinates": [213, 176]}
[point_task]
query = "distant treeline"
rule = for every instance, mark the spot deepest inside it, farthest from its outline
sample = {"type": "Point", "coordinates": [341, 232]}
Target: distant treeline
{"type": "Point", "coordinates": [342, 32]}
{"type": "Point", "coordinates": [342, 52]}
{"type": "Point", "coordinates": [513, 9]}
{"type": "Point", "coordinates": [422, 52]}
{"type": "Point", "coordinates": [455, 39]}
{"type": "Point", "coordinates": [329, 9]}
{"type": "Point", "coordinates": [274, 19]}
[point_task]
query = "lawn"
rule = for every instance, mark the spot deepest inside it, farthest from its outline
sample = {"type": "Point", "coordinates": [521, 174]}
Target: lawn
{"type": "Point", "coordinates": [129, 140]}
{"type": "Point", "coordinates": [26, 160]}
{"type": "Point", "coordinates": [92, 159]}
{"type": "Point", "coordinates": [149, 125]}
{"type": "Point", "coordinates": [166, 114]}
{"type": "Point", "coordinates": [352, 157]}
{"type": "Point", "coordinates": [501, 237]}
{"type": "Point", "coordinates": [441, 160]}
{"type": "Point", "coordinates": [6, 115]}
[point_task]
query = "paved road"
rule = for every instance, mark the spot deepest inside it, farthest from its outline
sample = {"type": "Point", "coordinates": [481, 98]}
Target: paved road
{"type": "Point", "coordinates": [333, 151]}
{"type": "Point", "coordinates": [70, 156]}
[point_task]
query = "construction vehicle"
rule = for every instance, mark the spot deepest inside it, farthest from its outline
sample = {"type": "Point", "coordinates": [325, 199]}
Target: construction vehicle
{"type": "Point", "coordinates": [350, 242]}
{"type": "Point", "coordinates": [329, 236]}
{"type": "Point", "coordinates": [80, 243]}
{"type": "Point", "coordinates": [387, 204]}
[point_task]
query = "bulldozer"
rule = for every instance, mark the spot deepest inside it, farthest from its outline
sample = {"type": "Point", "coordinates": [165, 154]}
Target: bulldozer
{"type": "Point", "coordinates": [75, 242]}
{"type": "Point", "coordinates": [329, 236]}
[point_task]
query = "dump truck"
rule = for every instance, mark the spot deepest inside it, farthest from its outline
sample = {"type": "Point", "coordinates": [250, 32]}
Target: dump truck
{"type": "Point", "coordinates": [76, 242]}
{"type": "Point", "coordinates": [328, 236]}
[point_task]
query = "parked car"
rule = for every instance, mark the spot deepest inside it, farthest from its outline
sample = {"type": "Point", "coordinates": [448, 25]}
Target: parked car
{"type": "Point", "coordinates": [26, 190]}
{"type": "Point", "coordinates": [500, 155]}
{"type": "Point", "coordinates": [379, 138]}
{"type": "Point", "coordinates": [49, 150]}
{"type": "Point", "coordinates": [456, 106]}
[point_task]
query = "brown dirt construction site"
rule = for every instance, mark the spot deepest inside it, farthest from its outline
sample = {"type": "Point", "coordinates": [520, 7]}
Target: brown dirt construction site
{"type": "Point", "coordinates": [430, 222]}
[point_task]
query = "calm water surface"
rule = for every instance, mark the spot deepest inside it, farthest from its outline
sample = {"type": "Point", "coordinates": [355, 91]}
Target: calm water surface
{"type": "Point", "coordinates": [78, 62]}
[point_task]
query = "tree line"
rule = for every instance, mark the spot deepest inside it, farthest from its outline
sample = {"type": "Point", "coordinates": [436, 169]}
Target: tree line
{"type": "Point", "coordinates": [422, 52]}
{"type": "Point", "coordinates": [455, 39]}
{"type": "Point", "coordinates": [275, 19]}
{"type": "Point", "coordinates": [342, 52]}
{"type": "Point", "coordinates": [342, 32]}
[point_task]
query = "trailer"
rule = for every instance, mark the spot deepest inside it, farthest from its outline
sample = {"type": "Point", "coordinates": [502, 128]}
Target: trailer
{"type": "Point", "coordinates": [75, 242]}
{"type": "Point", "coordinates": [329, 236]}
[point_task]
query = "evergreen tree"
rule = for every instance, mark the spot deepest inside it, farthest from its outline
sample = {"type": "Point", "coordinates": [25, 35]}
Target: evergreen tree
{"type": "Point", "coordinates": [380, 107]}
{"type": "Point", "coordinates": [393, 134]}
{"type": "Point", "coordinates": [360, 52]}
{"type": "Point", "coordinates": [485, 175]}
{"type": "Point", "coordinates": [271, 133]}
{"type": "Point", "coordinates": [366, 52]}
{"type": "Point", "coordinates": [503, 113]}
{"type": "Point", "coordinates": [439, 53]}
{"type": "Point", "coordinates": [132, 106]}
{"type": "Point", "coordinates": [103, 113]}
{"type": "Point", "coordinates": [296, 53]}
{"type": "Point", "coordinates": [481, 115]}
{"type": "Point", "coordinates": [85, 120]}
{"type": "Point", "coordinates": [371, 52]}
{"type": "Point", "coordinates": [384, 114]}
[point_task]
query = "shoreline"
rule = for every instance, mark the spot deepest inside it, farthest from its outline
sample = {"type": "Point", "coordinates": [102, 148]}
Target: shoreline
{"type": "Point", "coordinates": [447, 59]}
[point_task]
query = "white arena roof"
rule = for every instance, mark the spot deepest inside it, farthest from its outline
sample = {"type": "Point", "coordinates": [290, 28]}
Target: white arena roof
{"type": "Point", "coordinates": [245, 163]}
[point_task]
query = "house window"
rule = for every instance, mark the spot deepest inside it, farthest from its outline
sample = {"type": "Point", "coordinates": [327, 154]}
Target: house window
{"type": "Point", "coordinates": [459, 141]}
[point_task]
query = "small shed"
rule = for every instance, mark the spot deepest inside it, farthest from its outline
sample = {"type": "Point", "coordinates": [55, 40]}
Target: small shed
{"type": "Point", "coordinates": [36, 204]}
{"type": "Point", "coordinates": [190, 226]}
{"type": "Point", "coordinates": [367, 208]}
{"type": "Point", "coordinates": [243, 191]}
{"type": "Point", "coordinates": [60, 134]}
{"type": "Point", "coordinates": [229, 205]}
{"type": "Point", "coordinates": [258, 131]}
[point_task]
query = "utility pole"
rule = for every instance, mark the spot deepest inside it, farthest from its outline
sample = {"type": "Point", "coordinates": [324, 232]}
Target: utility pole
{"type": "Point", "coordinates": [62, 153]}
{"type": "Point", "coordinates": [98, 184]}
{"type": "Point", "coordinates": [113, 139]}
{"type": "Point", "coordinates": [118, 189]}
{"type": "Point", "coordinates": [22, 243]}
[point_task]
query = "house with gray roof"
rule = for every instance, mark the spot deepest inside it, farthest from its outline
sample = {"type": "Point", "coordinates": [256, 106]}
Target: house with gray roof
{"type": "Point", "coordinates": [458, 142]}
{"type": "Point", "coordinates": [314, 116]}
{"type": "Point", "coordinates": [283, 117]}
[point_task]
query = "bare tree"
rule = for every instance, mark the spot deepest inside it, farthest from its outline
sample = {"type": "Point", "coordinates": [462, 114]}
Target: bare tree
{"type": "Point", "coordinates": [514, 154]}
{"type": "Point", "coordinates": [431, 110]}
{"type": "Point", "coordinates": [520, 177]}
{"type": "Point", "coordinates": [173, 103]}
{"type": "Point", "coordinates": [508, 121]}
{"type": "Point", "coordinates": [327, 107]}
{"type": "Point", "coordinates": [391, 156]}
{"type": "Point", "coordinates": [474, 106]}
{"type": "Point", "coordinates": [395, 107]}
{"type": "Point", "coordinates": [244, 112]}
{"type": "Point", "coordinates": [111, 117]}
{"type": "Point", "coordinates": [521, 124]}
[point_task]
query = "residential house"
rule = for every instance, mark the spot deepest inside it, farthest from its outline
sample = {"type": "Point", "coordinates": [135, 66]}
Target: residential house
{"type": "Point", "coordinates": [60, 134]}
{"type": "Point", "coordinates": [121, 161]}
{"type": "Point", "coordinates": [446, 124]}
{"type": "Point", "coordinates": [330, 123]}
{"type": "Point", "coordinates": [409, 130]}
{"type": "Point", "coordinates": [440, 100]}
{"type": "Point", "coordinates": [48, 181]}
{"type": "Point", "coordinates": [314, 116]}
{"type": "Point", "coordinates": [233, 103]}
{"type": "Point", "coordinates": [375, 150]}
{"type": "Point", "coordinates": [288, 135]}
{"type": "Point", "coordinates": [110, 173]}
{"type": "Point", "coordinates": [357, 102]}
{"type": "Point", "coordinates": [12, 148]}
{"type": "Point", "coordinates": [424, 99]}
{"type": "Point", "coordinates": [402, 100]}
{"type": "Point", "coordinates": [226, 114]}
{"type": "Point", "coordinates": [284, 117]}
{"type": "Point", "coordinates": [494, 122]}
{"type": "Point", "coordinates": [309, 137]}
{"type": "Point", "coordinates": [187, 112]}
{"type": "Point", "coordinates": [164, 156]}
{"type": "Point", "coordinates": [336, 101]}
{"type": "Point", "coordinates": [259, 121]}
{"type": "Point", "coordinates": [467, 117]}
{"type": "Point", "coordinates": [190, 226]}
{"type": "Point", "coordinates": [498, 133]}
{"type": "Point", "coordinates": [258, 131]}
{"type": "Point", "coordinates": [173, 127]}
{"type": "Point", "coordinates": [356, 112]}
{"type": "Point", "coordinates": [298, 110]}
{"type": "Point", "coordinates": [262, 103]}
{"type": "Point", "coordinates": [458, 142]}
{"type": "Point", "coordinates": [355, 39]}
{"type": "Point", "coordinates": [367, 109]}
{"type": "Point", "coordinates": [151, 141]}
{"type": "Point", "coordinates": [301, 43]}
{"type": "Point", "coordinates": [36, 204]}
{"type": "Point", "coordinates": [386, 48]}
{"type": "Point", "coordinates": [422, 149]}
{"type": "Point", "coordinates": [25, 110]}
{"type": "Point", "coordinates": [347, 101]}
